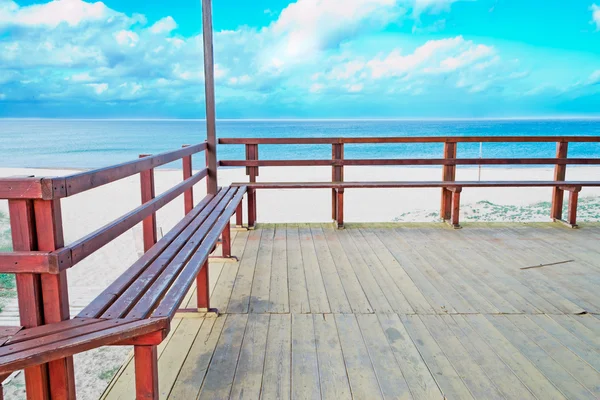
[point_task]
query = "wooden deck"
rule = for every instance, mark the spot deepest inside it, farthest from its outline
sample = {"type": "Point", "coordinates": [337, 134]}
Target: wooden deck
{"type": "Point", "coordinates": [393, 311]}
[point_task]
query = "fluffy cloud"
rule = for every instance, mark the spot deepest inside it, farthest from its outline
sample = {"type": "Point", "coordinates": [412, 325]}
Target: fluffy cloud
{"type": "Point", "coordinates": [51, 15]}
{"type": "Point", "coordinates": [311, 25]}
{"type": "Point", "coordinates": [165, 25]}
{"type": "Point", "coordinates": [454, 62]}
{"type": "Point", "coordinates": [71, 49]}
{"type": "Point", "coordinates": [596, 15]}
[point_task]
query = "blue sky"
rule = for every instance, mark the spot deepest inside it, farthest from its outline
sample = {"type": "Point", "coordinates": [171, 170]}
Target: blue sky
{"type": "Point", "coordinates": [301, 59]}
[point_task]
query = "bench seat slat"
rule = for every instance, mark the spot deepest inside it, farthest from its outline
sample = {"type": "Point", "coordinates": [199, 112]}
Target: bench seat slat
{"type": "Point", "coordinates": [74, 331]}
{"type": "Point", "coordinates": [43, 351]}
{"type": "Point", "coordinates": [105, 299]}
{"type": "Point", "coordinates": [44, 330]}
{"type": "Point", "coordinates": [8, 332]}
{"type": "Point", "coordinates": [145, 306]}
{"type": "Point", "coordinates": [138, 289]}
{"type": "Point", "coordinates": [172, 300]}
{"type": "Point", "coordinates": [412, 184]}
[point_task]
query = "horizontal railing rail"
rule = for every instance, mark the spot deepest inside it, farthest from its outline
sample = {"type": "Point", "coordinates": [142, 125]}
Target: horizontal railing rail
{"type": "Point", "coordinates": [450, 188]}
{"type": "Point", "coordinates": [411, 162]}
{"type": "Point", "coordinates": [52, 188]}
{"type": "Point", "coordinates": [416, 139]}
{"type": "Point", "coordinates": [32, 193]}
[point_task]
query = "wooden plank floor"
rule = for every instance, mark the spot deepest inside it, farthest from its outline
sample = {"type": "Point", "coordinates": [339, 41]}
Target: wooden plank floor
{"type": "Point", "coordinates": [393, 311]}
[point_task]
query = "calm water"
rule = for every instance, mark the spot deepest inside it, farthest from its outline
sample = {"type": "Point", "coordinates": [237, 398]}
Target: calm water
{"type": "Point", "coordinates": [91, 144]}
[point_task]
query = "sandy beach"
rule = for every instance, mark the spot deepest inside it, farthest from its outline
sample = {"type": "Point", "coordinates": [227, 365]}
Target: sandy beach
{"type": "Point", "coordinates": [90, 210]}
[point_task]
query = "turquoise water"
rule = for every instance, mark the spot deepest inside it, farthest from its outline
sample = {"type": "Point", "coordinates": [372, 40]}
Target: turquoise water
{"type": "Point", "coordinates": [96, 143]}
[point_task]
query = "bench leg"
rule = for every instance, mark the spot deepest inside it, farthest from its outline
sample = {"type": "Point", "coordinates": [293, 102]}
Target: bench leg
{"type": "Point", "coordinates": [446, 207]}
{"type": "Point", "coordinates": [251, 208]}
{"type": "Point", "coordinates": [226, 241]}
{"type": "Point", "coordinates": [239, 214]}
{"type": "Point", "coordinates": [202, 289]}
{"type": "Point", "coordinates": [333, 204]}
{"type": "Point", "coordinates": [573, 199]}
{"type": "Point", "coordinates": [340, 208]}
{"type": "Point", "coordinates": [456, 209]}
{"type": "Point", "coordinates": [146, 372]}
{"type": "Point", "coordinates": [557, 204]}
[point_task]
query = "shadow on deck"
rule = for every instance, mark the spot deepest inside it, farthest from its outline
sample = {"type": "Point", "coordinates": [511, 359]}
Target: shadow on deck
{"type": "Point", "coordinates": [396, 311]}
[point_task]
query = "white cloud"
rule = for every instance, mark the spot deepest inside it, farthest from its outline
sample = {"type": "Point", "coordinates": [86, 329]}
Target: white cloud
{"type": "Point", "coordinates": [316, 87]}
{"type": "Point", "coordinates": [99, 88]}
{"type": "Point", "coordinates": [596, 15]}
{"type": "Point", "coordinates": [71, 12]}
{"type": "Point", "coordinates": [594, 77]}
{"type": "Point", "coordinates": [355, 88]}
{"type": "Point", "coordinates": [307, 26]}
{"type": "Point", "coordinates": [82, 77]}
{"type": "Point", "coordinates": [434, 5]}
{"type": "Point", "coordinates": [165, 25]}
{"type": "Point", "coordinates": [83, 50]}
{"type": "Point", "coordinates": [433, 57]}
{"type": "Point", "coordinates": [127, 38]}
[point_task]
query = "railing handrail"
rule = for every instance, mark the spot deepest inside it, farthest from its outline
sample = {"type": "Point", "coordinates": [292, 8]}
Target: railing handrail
{"type": "Point", "coordinates": [410, 162]}
{"type": "Point", "coordinates": [33, 194]}
{"type": "Point", "coordinates": [48, 188]}
{"type": "Point", "coordinates": [408, 139]}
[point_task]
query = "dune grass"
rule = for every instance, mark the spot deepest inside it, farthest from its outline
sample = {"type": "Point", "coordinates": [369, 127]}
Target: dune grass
{"type": "Point", "coordinates": [486, 211]}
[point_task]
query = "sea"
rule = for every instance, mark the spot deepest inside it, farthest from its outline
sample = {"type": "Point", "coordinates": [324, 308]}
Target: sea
{"type": "Point", "coordinates": [84, 144]}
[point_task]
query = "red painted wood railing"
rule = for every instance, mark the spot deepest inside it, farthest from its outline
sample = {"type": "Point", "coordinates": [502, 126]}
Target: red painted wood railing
{"type": "Point", "coordinates": [449, 162]}
{"type": "Point", "coordinates": [40, 258]}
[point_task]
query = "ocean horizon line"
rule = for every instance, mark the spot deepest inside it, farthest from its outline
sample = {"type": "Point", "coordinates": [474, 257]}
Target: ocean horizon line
{"type": "Point", "coordinates": [399, 119]}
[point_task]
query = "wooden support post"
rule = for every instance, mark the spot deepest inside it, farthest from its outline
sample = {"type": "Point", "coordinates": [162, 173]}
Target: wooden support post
{"type": "Point", "coordinates": [202, 289]}
{"type": "Point", "coordinates": [146, 372]}
{"type": "Point", "coordinates": [573, 199]}
{"type": "Point", "coordinates": [337, 175]}
{"type": "Point", "coordinates": [560, 172]}
{"type": "Point", "coordinates": [209, 92]}
{"type": "Point", "coordinates": [239, 215]}
{"type": "Point", "coordinates": [226, 241]}
{"type": "Point", "coordinates": [448, 174]}
{"type": "Point", "coordinates": [572, 208]}
{"type": "Point", "coordinates": [149, 224]}
{"type": "Point", "coordinates": [456, 207]}
{"type": "Point", "coordinates": [29, 291]}
{"type": "Point", "coordinates": [252, 172]}
{"type": "Point", "coordinates": [340, 208]}
{"type": "Point", "coordinates": [188, 195]}
{"type": "Point", "coordinates": [55, 294]}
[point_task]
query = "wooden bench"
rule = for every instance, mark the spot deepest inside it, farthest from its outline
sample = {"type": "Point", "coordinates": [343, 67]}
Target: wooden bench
{"type": "Point", "coordinates": [454, 187]}
{"type": "Point", "coordinates": [138, 307]}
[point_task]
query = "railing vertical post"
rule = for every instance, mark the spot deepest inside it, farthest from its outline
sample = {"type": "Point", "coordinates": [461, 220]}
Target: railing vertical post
{"type": "Point", "coordinates": [209, 92]}
{"type": "Point", "coordinates": [188, 195]}
{"type": "Point", "coordinates": [149, 224]}
{"type": "Point", "coordinates": [252, 172]}
{"type": "Point", "coordinates": [560, 173]}
{"type": "Point", "coordinates": [448, 174]}
{"type": "Point", "coordinates": [29, 291]}
{"type": "Point", "coordinates": [337, 175]}
{"type": "Point", "coordinates": [55, 294]}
